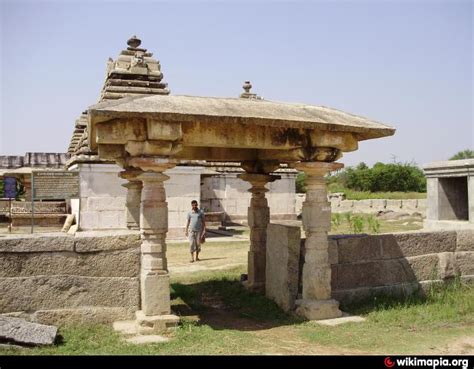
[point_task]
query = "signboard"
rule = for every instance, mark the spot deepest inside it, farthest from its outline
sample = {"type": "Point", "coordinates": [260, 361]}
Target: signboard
{"type": "Point", "coordinates": [9, 187]}
{"type": "Point", "coordinates": [55, 185]}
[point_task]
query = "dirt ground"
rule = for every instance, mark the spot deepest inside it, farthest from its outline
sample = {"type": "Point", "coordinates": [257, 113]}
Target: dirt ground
{"type": "Point", "coordinates": [280, 340]}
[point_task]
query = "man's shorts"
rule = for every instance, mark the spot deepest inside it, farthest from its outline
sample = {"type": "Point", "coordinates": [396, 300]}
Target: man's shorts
{"type": "Point", "coordinates": [194, 241]}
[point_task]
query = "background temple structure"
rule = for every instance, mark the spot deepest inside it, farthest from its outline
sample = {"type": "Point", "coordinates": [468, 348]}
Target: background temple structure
{"type": "Point", "coordinates": [224, 197]}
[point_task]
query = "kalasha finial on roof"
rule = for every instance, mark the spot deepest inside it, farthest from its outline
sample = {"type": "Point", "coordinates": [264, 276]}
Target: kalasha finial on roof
{"type": "Point", "coordinates": [247, 94]}
{"type": "Point", "coordinates": [247, 86]}
{"type": "Point", "coordinates": [134, 42]}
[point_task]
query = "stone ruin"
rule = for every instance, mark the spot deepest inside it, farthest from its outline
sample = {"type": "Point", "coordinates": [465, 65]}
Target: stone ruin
{"type": "Point", "coordinates": [125, 274]}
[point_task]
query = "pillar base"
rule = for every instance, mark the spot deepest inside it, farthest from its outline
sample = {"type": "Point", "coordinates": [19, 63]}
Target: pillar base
{"type": "Point", "coordinates": [254, 287]}
{"type": "Point", "coordinates": [156, 323]}
{"type": "Point", "coordinates": [318, 309]}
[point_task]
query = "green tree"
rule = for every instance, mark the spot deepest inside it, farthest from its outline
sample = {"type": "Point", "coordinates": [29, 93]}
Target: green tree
{"type": "Point", "coordinates": [301, 183]}
{"type": "Point", "coordinates": [465, 154]}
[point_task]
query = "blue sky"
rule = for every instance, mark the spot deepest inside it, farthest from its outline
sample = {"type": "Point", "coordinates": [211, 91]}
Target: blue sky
{"type": "Point", "coordinates": [404, 63]}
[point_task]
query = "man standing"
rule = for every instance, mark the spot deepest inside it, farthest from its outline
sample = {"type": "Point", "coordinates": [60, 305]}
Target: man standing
{"type": "Point", "coordinates": [197, 231]}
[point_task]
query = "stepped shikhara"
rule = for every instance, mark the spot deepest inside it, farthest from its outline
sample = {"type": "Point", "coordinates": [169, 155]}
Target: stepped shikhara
{"type": "Point", "coordinates": [134, 73]}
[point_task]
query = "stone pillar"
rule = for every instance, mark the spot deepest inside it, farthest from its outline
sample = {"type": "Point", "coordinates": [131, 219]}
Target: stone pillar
{"type": "Point", "coordinates": [316, 303]}
{"type": "Point", "coordinates": [258, 219]}
{"type": "Point", "coordinates": [432, 201]}
{"type": "Point", "coordinates": [132, 202]}
{"type": "Point", "coordinates": [470, 197]}
{"type": "Point", "coordinates": [155, 314]}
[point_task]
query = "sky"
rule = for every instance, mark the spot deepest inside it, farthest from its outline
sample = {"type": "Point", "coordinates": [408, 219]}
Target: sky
{"type": "Point", "coordinates": [407, 64]}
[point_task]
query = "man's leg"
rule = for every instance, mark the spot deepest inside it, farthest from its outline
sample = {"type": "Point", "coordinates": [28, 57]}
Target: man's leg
{"type": "Point", "coordinates": [198, 245]}
{"type": "Point", "coordinates": [192, 245]}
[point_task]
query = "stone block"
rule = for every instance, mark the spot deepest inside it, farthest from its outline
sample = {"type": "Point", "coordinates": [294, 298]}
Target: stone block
{"type": "Point", "coordinates": [89, 220]}
{"type": "Point", "coordinates": [394, 205]}
{"type": "Point", "coordinates": [371, 274]}
{"type": "Point", "coordinates": [83, 315]}
{"type": "Point", "coordinates": [421, 243]}
{"type": "Point", "coordinates": [105, 203]}
{"type": "Point", "coordinates": [66, 291]}
{"type": "Point", "coordinates": [446, 265]}
{"type": "Point", "coordinates": [160, 130]}
{"type": "Point", "coordinates": [359, 248]}
{"type": "Point", "coordinates": [318, 217]}
{"type": "Point", "coordinates": [357, 295]}
{"type": "Point", "coordinates": [154, 217]}
{"type": "Point", "coordinates": [425, 267]}
{"type": "Point", "coordinates": [111, 264]}
{"type": "Point", "coordinates": [112, 219]}
{"type": "Point", "coordinates": [318, 309]}
{"type": "Point", "coordinates": [36, 243]}
{"type": "Point", "coordinates": [155, 293]}
{"type": "Point", "coordinates": [258, 217]}
{"type": "Point", "coordinates": [378, 204]}
{"type": "Point", "coordinates": [114, 240]}
{"type": "Point", "coordinates": [333, 251]}
{"type": "Point", "coordinates": [20, 331]}
{"type": "Point", "coordinates": [316, 281]}
{"type": "Point", "coordinates": [282, 264]}
{"type": "Point", "coordinates": [465, 240]}
{"type": "Point", "coordinates": [155, 324]}
{"type": "Point", "coordinates": [464, 262]}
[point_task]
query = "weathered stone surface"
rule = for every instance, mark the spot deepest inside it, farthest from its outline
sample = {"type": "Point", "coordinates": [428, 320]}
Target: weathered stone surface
{"type": "Point", "coordinates": [106, 241]}
{"type": "Point", "coordinates": [359, 248]}
{"type": "Point", "coordinates": [155, 294]}
{"type": "Point", "coordinates": [36, 243]}
{"type": "Point", "coordinates": [282, 264]}
{"type": "Point", "coordinates": [464, 262]}
{"type": "Point", "coordinates": [420, 243]}
{"type": "Point", "coordinates": [446, 265]}
{"type": "Point", "coordinates": [371, 273]}
{"type": "Point", "coordinates": [354, 295]}
{"type": "Point", "coordinates": [424, 267]}
{"type": "Point", "coordinates": [156, 323]}
{"type": "Point", "coordinates": [318, 309]}
{"type": "Point", "coordinates": [84, 315]}
{"type": "Point", "coordinates": [110, 264]}
{"type": "Point", "coordinates": [55, 292]}
{"type": "Point", "coordinates": [465, 240]}
{"type": "Point", "coordinates": [21, 331]}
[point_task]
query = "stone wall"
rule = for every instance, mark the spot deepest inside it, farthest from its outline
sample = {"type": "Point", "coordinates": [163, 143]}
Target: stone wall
{"type": "Point", "coordinates": [363, 266]}
{"type": "Point", "coordinates": [102, 204]}
{"type": "Point", "coordinates": [89, 277]}
{"type": "Point", "coordinates": [229, 194]}
{"type": "Point", "coordinates": [409, 206]}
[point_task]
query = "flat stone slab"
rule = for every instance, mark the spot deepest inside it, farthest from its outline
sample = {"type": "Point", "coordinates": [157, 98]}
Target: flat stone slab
{"type": "Point", "coordinates": [127, 327]}
{"type": "Point", "coordinates": [23, 332]}
{"type": "Point", "coordinates": [341, 320]}
{"type": "Point", "coordinates": [152, 338]}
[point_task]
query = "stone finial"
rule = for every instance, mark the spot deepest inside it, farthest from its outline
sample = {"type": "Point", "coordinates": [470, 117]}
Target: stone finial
{"type": "Point", "coordinates": [134, 42]}
{"type": "Point", "coordinates": [247, 94]}
{"type": "Point", "coordinates": [247, 86]}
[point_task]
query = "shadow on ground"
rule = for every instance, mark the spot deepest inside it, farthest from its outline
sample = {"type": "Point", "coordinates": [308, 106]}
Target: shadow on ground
{"type": "Point", "coordinates": [226, 304]}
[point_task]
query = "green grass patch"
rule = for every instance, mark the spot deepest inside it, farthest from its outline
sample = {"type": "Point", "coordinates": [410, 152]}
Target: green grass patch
{"type": "Point", "coordinates": [411, 325]}
{"type": "Point", "coordinates": [349, 223]}
{"type": "Point", "coordinates": [232, 317]}
{"type": "Point", "coordinates": [364, 195]}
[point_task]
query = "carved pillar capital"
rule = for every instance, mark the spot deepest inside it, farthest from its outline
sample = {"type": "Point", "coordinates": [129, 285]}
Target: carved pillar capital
{"type": "Point", "coordinates": [152, 164]}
